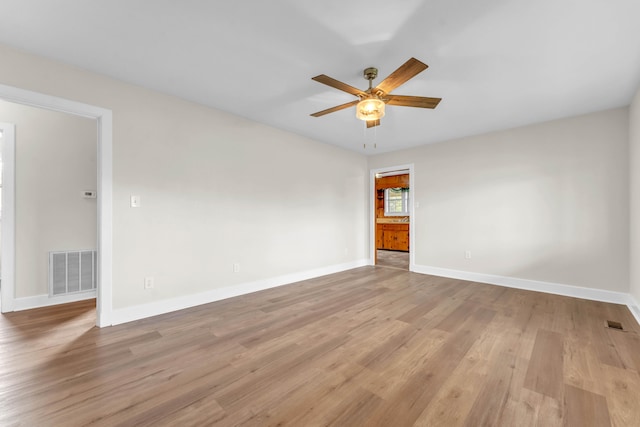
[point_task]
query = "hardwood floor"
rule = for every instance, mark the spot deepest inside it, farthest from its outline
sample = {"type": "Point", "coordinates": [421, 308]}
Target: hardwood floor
{"type": "Point", "coordinates": [393, 259]}
{"type": "Point", "coordinates": [367, 347]}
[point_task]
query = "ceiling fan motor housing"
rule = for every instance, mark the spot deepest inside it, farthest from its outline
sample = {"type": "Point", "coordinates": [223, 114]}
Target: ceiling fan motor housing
{"type": "Point", "coordinates": [370, 73]}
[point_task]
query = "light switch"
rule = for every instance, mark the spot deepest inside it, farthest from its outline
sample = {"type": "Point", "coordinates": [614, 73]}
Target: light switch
{"type": "Point", "coordinates": [135, 201]}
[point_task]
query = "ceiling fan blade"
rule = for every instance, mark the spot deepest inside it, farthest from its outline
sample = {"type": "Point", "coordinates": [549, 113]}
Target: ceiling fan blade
{"type": "Point", "coordinates": [338, 85]}
{"type": "Point", "coordinates": [336, 108]}
{"type": "Point", "coordinates": [373, 123]}
{"type": "Point", "coordinates": [409, 69]}
{"type": "Point", "coordinates": [412, 101]}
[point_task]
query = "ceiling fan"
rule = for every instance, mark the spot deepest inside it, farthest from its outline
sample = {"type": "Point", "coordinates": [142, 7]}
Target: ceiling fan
{"type": "Point", "coordinates": [371, 102]}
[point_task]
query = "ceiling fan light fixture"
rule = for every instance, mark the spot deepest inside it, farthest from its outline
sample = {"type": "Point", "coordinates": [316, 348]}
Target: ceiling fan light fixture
{"type": "Point", "coordinates": [370, 109]}
{"type": "Point", "coordinates": [371, 102]}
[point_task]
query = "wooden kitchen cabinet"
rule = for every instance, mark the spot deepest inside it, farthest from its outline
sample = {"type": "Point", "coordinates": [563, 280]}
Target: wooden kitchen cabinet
{"type": "Point", "coordinates": [392, 181]}
{"type": "Point", "coordinates": [379, 236]}
{"type": "Point", "coordinates": [392, 237]}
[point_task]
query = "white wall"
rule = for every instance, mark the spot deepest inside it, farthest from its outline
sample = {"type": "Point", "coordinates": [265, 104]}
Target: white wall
{"type": "Point", "coordinates": [55, 162]}
{"type": "Point", "coordinates": [215, 189]}
{"type": "Point", "coordinates": [634, 156]}
{"type": "Point", "coordinates": [547, 202]}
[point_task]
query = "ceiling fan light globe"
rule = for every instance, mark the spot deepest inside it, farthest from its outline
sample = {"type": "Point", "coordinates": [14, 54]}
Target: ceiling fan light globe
{"type": "Point", "coordinates": [370, 109]}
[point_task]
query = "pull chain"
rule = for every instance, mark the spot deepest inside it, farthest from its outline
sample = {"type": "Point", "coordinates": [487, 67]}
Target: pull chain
{"type": "Point", "coordinates": [364, 136]}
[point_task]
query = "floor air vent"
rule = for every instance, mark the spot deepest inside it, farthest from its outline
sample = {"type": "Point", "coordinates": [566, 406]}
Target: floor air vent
{"type": "Point", "coordinates": [614, 325]}
{"type": "Point", "coordinates": [71, 272]}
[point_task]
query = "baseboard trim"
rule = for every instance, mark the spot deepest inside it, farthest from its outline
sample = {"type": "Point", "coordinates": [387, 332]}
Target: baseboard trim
{"type": "Point", "coordinates": [634, 308]}
{"type": "Point", "coordinates": [142, 311]}
{"type": "Point", "coordinates": [530, 285]}
{"type": "Point", "coordinates": [39, 301]}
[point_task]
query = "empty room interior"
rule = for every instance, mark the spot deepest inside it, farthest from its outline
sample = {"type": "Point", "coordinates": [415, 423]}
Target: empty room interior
{"type": "Point", "coordinates": [410, 213]}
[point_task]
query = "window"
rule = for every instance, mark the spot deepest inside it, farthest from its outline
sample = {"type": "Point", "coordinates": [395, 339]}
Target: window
{"type": "Point", "coordinates": [396, 202]}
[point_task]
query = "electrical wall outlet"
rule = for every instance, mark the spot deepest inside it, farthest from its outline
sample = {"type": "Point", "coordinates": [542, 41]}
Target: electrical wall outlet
{"type": "Point", "coordinates": [236, 267]}
{"type": "Point", "coordinates": [148, 283]}
{"type": "Point", "coordinates": [467, 254]}
{"type": "Point", "coordinates": [135, 201]}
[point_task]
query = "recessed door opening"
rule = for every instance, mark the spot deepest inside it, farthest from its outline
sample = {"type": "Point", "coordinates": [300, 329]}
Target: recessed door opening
{"type": "Point", "coordinates": [101, 120]}
{"type": "Point", "coordinates": [54, 163]}
{"type": "Point", "coordinates": [392, 210]}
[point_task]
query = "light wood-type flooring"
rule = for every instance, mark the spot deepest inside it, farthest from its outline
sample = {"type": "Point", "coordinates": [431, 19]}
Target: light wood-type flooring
{"type": "Point", "coordinates": [367, 347]}
{"type": "Point", "coordinates": [393, 259]}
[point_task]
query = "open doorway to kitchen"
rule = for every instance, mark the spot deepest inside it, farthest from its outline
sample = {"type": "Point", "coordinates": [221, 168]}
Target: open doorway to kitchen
{"type": "Point", "coordinates": [392, 209]}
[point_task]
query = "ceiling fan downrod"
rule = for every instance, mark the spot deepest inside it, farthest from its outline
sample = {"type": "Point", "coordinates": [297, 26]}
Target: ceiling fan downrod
{"type": "Point", "coordinates": [370, 74]}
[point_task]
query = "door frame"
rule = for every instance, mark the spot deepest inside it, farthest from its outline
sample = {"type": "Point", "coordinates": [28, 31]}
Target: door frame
{"type": "Point", "coordinates": [372, 212]}
{"type": "Point", "coordinates": [8, 215]}
{"type": "Point", "coordinates": [104, 121]}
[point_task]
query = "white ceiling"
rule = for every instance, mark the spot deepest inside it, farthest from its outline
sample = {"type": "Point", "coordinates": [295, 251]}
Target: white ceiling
{"type": "Point", "coordinates": [496, 63]}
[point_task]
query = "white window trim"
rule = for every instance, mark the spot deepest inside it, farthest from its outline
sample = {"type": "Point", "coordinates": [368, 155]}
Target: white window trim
{"type": "Point", "coordinates": [405, 204]}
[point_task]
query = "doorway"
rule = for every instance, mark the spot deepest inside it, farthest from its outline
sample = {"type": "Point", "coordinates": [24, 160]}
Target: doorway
{"type": "Point", "coordinates": [56, 212]}
{"type": "Point", "coordinates": [392, 214]}
{"type": "Point", "coordinates": [103, 120]}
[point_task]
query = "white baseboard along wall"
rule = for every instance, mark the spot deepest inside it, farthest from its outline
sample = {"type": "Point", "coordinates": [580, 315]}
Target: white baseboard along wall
{"type": "Point", "coordinates": [38, 301]}
{"type": "Point", "coordinates": [538, 286]}
{"type": "Point", "coordinates": [142, 311]}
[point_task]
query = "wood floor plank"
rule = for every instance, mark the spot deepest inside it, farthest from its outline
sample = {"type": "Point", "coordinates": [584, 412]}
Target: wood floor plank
{"type": "Point", "coordinates": [627, 348]}
{"type": "Point", "coordinates": [354, 408]}
{"type": "Point", "coordinates": [345, 404]}
{"type": "Point", "coordinates": [545, 370]}
{"type": "Point", "coordinates": [453, 321]}
{"type": "Point", "coordinates": [585, 409]}
{"type": "Point", "coordinates": [241, 392]}
{"type": "Point", "coordinates": [532, 409]}
{"type": "Point", "coordinates": [418, 391]}
{"type": "Point", "coordinates": [405, 365]}
{"type": "Point", "coordinates": [376, 358]}
{"type": "Point", "coordinates": [419, 310]}
{"type": "Point", "coordinates": [369, 346]}
{"type": "Point", "coordinates": [582, 367]}
{"type": "Point", "coordinates": [452, 403]}
{"type": "Point", "coordinates": [495, 392]}
{"type": "Point", "coordinates": [300, 403]}
{"type": "Point", "coordinates": [606, 350]}
{"type": "Point", "coordinates": [332, 306]}
{"type": "Point", "coordinates": [203, 412]}
{"type": "Point", "coordinates": [621, 392]}
{"type": "Point", "coordinates": [393, 259]}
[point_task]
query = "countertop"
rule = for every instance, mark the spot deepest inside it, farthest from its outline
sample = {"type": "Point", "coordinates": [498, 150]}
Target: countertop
{"type": "Point", "coordinates": [391, 221]}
